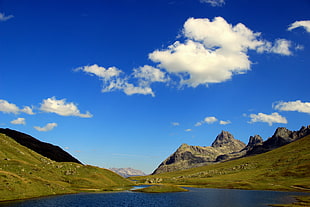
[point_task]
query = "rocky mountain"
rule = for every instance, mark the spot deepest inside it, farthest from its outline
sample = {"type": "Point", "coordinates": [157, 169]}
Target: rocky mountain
{"type": "Point", "coordinates": [225, 147]}
{"type": "Point", "coordinates": [45, 149]}
{"type": "Point", "coordinates": [188, 156]}
{"type": "Point", "coordinates": [127, 172]}
{"type": "Point", "coordinates": [282, 136]}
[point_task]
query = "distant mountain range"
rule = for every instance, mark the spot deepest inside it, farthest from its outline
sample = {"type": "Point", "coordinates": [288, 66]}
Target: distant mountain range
{"type": "Point", "coordinates": [225, 147]}
{"type": "Point", "coordinates": [127, 172]}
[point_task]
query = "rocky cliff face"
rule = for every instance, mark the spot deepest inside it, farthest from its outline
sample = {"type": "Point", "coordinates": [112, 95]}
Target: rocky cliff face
{"type": "Point", "coordinates": [47, 150]}
{"type": "Point", "coordinates": [226, 147]}
{"type": "Point", "coordinates": [282, 136]}
{"type": "Point", "coordinates": [127, 172]}
{"type": "Point", "coordinates": [188, 156]}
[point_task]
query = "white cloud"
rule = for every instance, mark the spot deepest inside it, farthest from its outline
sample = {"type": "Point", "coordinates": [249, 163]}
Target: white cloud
{"type": "Point", "coordinates": [19, 121]}
{"type": "Point", "coordinates": [27, 110]}
{"type": "Point", "coordinates": [60, 107]}
{"type": "Point", "coordinates": [130, 89]}
{"type": "Point", "coordinates": [101, 72]}
{"type": "Point", "coordinates": [208, 120]}
{"type": "Point", "coordinates": [188, 130]}
{"type": "Point", "coordinates": [281, 47]}
{"type": "Point", "coordinates": [7, 107]}
{"type": "Point", "coordinates": [139, 82]}
{"type": "Point", "coordinates": [214, 3]}
{"type": "Point", "coordinates": [305, 24]}
{"type": "Point", "coordinates": [148, 74]}
{"type": "Point", "coordinates": [213, 51]}
{"type": "Point", "coordinates": [225, 122]}
{"type": "Point", "coordinates": [270, 119]}
{"type": "Point", "coordinates": [175, 124]}
{"type": "Point", "coordinates": [47, 127]}
{"type": "Point", "coordinates": [4, 18]}
{"type": "Point", "coordinates": [297, 105]}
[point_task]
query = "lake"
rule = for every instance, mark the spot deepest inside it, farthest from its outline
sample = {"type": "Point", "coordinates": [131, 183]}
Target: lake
{"type": "Point", "coordinates": [197, 197]}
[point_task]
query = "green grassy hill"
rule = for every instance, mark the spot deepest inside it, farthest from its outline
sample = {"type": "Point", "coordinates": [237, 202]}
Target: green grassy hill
{"type": "Point", "coordinates": [285, 168]}
{"type": "Point", "coordinates": [25, 174]}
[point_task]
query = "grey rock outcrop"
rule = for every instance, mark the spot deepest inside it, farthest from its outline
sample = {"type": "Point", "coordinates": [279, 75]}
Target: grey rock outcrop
{"type": "Point", "coordinates": [254, 141]}
{"type": "Point", "coordinates": [225, 147]}
{"type": "Point", "coordinates": [282, 136]}
{"type": "Point", "coordinates": [187, 156]}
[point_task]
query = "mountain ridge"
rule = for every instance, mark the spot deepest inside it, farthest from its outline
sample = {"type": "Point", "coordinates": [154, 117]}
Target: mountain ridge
{"type": "Point", "coordinates": [225, 147]}
{"type": "Point", "coordinates": [25, 173]}
{"type": "Point", "coordinates": [187, 156]}
{"type": "Point", "coordinates": [45, 149]}
{"type": "Point", "coordinates": [127, 172]}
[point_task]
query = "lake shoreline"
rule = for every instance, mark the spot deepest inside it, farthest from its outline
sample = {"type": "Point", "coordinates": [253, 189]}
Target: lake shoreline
{"type": "Point", "coordinates": [298, 199]}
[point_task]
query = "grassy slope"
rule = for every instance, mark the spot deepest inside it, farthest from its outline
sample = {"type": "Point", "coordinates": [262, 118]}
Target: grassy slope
{"type": "Point", "coordinates": [285, 168]}
{"type": "Point", "coordinates": [25, 173]}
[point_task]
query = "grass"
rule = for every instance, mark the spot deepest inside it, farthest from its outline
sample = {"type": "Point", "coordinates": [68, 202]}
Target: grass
{"type": "Point", "coordinates": [161, 189]}
{"type": "Point", "coordinates": [286, 169]}
{"type": "Point", "coordinates": [26, 174]}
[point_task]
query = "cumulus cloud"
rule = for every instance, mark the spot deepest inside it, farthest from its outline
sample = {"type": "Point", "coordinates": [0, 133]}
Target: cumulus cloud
{"type": "Point", "coordinates": [268, 118]}
{"type": "Point", "coordinates": [19, 121]}
{"type": "Point", "coordinates": [214, 3]}
{"type": "Point", "coordinates": [207, 120]}
{"type": "Point", "coordinates": [297, 105]}
{"type": "Point", "coordinates": [139, 82]}
{"type": "Point", "coordinates": [213, 51]}
{"type": "Point", "coordinates": [47, 127]}
{"type": "Point", "coordinates": [7, 107]}
{"type": "Point", "coordinates": [305, 24]}
{"type": "Point", "coordinates": [61, 107]}
{"type": "Point", "coordinates": [101, 72]}
{"type": "Point", "coordinates": [225, 122]}
{"type": "Point", "coordinates": [4, 18]}
{"type": "Point", "coordinates": [27, 110]}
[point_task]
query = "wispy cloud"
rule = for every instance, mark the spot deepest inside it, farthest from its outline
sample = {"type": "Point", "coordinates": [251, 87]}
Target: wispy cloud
{"type": "Point", "coordinates": [4, 17]}
{"type": "Point", "coordinates": [225, 122]}
{"type": "Point", "coordinates": [61, 107]}
{"type": "Point", "coordinates": [175, 124]}
{"type": "Point", "coordinates": [305, 24]}
{"type": "Point", "coordinates": [214, 3]}
{"type": "Point", "coordinates": [139, 82]}
{"type": "Point", "coordinates": [268, 118]}
{"type": "Point", "coordinates": [47, 127]}
{"type": "Point", "coordinates": [19, 121]}
{"type": "Point", "coordinates": [297, 105]}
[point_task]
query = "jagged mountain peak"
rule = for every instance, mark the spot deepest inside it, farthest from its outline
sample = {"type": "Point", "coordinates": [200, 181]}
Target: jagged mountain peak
{"type": "Point", "coordinates": [224, 138]}
{"type": "Point", "coordinates": [254, 141]}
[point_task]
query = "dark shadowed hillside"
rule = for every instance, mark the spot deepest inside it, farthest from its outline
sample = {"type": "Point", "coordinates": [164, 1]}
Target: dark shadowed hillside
{"type": "Point", "coordinates": [47, 150]}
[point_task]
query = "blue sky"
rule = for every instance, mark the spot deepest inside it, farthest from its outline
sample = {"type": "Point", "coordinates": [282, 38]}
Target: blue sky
{"type": "Point", "coordinates": [124, 83]}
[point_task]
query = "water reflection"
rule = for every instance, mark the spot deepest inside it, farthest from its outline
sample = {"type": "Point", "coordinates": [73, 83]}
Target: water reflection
{"type": "Point", "coordinates": [195, 197]}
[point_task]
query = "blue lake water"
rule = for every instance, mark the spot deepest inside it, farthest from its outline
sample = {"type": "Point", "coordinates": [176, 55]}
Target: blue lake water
{"type": "Point", "coordinates": [196, 197]}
